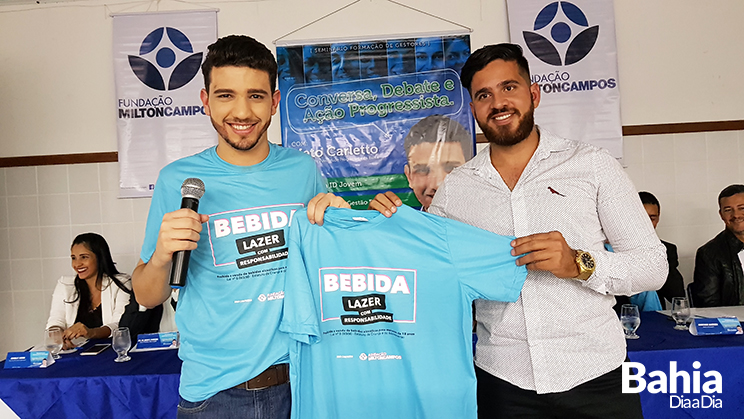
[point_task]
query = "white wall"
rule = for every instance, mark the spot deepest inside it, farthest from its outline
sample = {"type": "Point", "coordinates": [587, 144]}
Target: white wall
{"type": "Point", "coordinates": [686, 172]}
{"type": "Point", "coordinates": [679, 60]}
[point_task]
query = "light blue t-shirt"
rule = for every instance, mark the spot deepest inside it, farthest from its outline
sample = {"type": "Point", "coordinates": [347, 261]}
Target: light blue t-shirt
{"type": "Point", "coordinates": [646, 301]}
{"type": "Point", "coordinates": [229, 311]}
{"type": "Point", "coordinates": [380, 310]}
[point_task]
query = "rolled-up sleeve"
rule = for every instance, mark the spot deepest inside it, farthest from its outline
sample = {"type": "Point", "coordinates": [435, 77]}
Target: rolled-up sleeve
{"type": "Point", "coordinates": [639, 261]}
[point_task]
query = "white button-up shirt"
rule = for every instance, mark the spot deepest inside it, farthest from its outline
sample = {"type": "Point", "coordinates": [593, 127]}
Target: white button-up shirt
{"type": "Point", "coordinates": [561, 332]}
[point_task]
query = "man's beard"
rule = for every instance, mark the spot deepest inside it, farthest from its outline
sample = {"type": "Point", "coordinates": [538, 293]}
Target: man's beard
{"type": "Point", "coordinates": [502, 135]}
{"type": "Point", "coordinates": [241, 146]}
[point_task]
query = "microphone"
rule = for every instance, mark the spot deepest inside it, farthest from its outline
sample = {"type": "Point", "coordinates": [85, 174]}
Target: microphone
{"type": "Point", "coordinates": [192, 190]}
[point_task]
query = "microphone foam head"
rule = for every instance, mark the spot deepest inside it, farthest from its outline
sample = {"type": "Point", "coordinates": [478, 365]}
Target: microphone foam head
{"type": "Point", "coordinates": [192, 188]}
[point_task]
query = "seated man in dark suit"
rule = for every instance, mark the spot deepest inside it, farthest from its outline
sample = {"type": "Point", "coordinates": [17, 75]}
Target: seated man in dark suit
{"type": "Point", "coordinates": [139, 319]}
{"type": "Point", "coordinates": [675, 284]}
{"type": "Point", "coordinates": [719, 280]}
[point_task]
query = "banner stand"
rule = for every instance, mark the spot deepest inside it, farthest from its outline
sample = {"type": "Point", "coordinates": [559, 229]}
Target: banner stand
{"type": "Point", "coordinates": [278, 42]}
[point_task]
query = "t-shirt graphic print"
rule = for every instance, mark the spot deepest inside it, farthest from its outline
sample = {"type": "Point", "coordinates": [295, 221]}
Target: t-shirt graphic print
{"type": "Point", "coordinates": [380, 312]}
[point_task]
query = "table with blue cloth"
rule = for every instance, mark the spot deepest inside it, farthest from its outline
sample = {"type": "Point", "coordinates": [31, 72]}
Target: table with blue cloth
{"type": "Point", "coordinates": [78, 386]}
{"type": "Point", "coordinates": [660, 344]}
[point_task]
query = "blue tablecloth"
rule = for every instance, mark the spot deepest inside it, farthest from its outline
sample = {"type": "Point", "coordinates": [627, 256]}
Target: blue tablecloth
{"type": "Point", "coordinates": [147, 386]}
{"type": "Point", "coordinates": [660, 344]}
{"type": "Point", "coordinates": [96, 387]}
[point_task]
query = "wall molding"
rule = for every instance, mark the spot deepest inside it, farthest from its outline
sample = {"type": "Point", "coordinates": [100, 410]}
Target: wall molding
{"type": "Point", "coordinates": [683, 127]}
{"type": "Point", "coordinates": [628, 130]}
{"type": "Point", "coordinates": [105, 157]}
{"type": "Point", "coordinates": [678, 128]}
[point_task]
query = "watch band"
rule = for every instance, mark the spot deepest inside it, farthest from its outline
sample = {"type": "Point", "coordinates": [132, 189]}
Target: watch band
{"type": "Point", "coordinates": [586, 264]}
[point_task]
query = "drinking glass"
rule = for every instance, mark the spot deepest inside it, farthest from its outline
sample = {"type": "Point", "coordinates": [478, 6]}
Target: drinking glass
{"type": "Point", "coordinates": [121, 342]}
{"type": "Point", "coordinates": [53, 341]}
{"type": "Point", "coordinates": [630, 319]}
{"type": "Point", "coordinates": [680, 312]}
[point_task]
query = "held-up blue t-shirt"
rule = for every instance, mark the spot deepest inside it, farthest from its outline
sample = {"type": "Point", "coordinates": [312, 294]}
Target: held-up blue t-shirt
{"type": "Point", "coordinates": [380, 310]}
{"type": "Point", "coordinates": [229, 311]}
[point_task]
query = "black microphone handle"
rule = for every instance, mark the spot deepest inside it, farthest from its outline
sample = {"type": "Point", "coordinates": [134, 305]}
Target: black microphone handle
{"type": "Point", "coordinates": [180, 266]}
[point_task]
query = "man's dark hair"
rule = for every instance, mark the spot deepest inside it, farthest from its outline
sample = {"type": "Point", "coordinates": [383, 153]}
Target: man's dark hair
{"type": "Point", "coordinates": [239, 51]}
{"type": "Point", "coordinates": [436, 128]}
{"type": "Point", "coordinates": [647, 198]}
{"type": "Point", "coordinates": [728, 191]}
{"type": "Point", "coordinates": [483, 56]}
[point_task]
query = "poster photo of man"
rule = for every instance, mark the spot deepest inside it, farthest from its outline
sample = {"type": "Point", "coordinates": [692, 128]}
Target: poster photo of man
{"type": "Point", "coordinates": [378, 114]}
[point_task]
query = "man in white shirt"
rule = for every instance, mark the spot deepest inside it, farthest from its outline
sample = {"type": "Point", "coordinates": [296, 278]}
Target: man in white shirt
{"type": "Point", "coordinates": [557, 351]}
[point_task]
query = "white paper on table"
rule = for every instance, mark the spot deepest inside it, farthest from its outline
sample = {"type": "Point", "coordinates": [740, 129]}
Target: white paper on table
{"type": "Point", "coordinates": [712, 312]}
{"type": "Point", "coordinates": [6, 412]}
{"type": "Point", "coordinates": [78, 342]}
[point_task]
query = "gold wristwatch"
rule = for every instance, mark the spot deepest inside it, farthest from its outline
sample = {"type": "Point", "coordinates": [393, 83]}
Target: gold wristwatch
{"type": "Point", "coordinates": [586, 265]}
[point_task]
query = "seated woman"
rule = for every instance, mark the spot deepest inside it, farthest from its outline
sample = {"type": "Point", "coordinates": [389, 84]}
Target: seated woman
{"type": "Point", "coordinates": [90, 304]}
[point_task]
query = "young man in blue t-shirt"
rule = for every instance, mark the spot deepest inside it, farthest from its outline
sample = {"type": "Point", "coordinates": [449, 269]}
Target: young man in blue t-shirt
{"type": "Point", "coordinates": [234, 358]}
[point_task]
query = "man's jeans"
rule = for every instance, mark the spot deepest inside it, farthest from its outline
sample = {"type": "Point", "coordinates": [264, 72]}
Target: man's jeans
{"type": "Point", "coordinates": [268, 403]}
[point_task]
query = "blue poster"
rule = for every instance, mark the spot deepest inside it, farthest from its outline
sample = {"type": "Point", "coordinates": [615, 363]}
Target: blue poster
{"type": "Point", "coordinates": [378, 115]}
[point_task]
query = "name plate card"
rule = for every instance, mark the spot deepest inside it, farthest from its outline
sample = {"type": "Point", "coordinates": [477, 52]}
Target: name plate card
{"type": "Point", "coordinates": [35, 359]}
{"type": "Point", "coordinates": [154, 341]}
{"type": "Point", "coordinates": [716, 326]}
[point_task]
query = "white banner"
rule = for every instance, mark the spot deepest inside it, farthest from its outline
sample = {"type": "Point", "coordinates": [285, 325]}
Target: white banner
{"type": "Point", "coordinates": [157, 60]}
{"type": "Point", "coordinates": [573, 56]}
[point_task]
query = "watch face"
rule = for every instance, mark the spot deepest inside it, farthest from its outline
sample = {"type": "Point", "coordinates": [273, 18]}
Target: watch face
{"type": "Point", "coordinates": [587, 260]}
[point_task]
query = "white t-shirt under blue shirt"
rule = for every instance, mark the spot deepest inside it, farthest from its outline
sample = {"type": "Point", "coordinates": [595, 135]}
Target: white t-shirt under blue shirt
{"type": "Point", "coordinates": [380, 309]}
{"type": "Point", "coordinates": [229, 311]}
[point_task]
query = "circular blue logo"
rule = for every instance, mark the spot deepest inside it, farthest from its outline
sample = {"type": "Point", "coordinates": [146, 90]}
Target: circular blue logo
{"type": "Point", "coordinates": [164, 51]}
{"type": "Point", "coordinates": [166, 57]}
{"type": "Point", "coordinates": [561, 29]}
